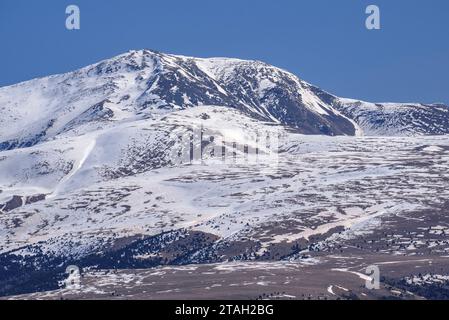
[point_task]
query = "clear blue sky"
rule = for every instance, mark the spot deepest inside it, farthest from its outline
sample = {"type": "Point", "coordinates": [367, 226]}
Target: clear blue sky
{"type": "Point", "coordinates": [322, 41]}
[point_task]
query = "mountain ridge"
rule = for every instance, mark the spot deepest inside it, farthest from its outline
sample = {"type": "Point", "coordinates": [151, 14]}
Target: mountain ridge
{"type": "Point", "coordinates": [147, 83]}
{"type": "Point", "coordinates": [100, 168]}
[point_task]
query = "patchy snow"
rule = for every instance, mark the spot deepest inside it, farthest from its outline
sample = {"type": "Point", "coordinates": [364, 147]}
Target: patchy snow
{"type": "Point", "coordinates": [427, 279]}
{"type": "Point", "coordinates": [98, 144]}
{"type": "Point", "coordinates": [433, 149]}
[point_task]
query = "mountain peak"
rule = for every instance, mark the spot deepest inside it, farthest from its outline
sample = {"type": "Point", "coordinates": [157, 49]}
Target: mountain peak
{"type": "Point", "coordinates": [146, 83]}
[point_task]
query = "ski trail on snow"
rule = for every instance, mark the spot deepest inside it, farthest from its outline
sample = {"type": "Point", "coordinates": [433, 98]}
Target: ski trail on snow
{"type": "Point", "coordinates": [77, 166]}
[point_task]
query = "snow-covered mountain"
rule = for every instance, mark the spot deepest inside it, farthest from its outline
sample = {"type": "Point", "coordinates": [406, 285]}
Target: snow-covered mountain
{"type": "Point", "coordinates": [90, 170]}
{"type": "Point", "coordinates": [143, 84]}
{"type": "Point", "coordinates": [395, 119]}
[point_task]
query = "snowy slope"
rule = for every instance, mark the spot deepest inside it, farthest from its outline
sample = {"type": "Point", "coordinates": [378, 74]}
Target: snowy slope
{"type": "Point", "coordinates": [95, 161]}
{"type": "Point", "coordinates": [396, 119]}
{"type": "Point", "coordinates": [141, 84]}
